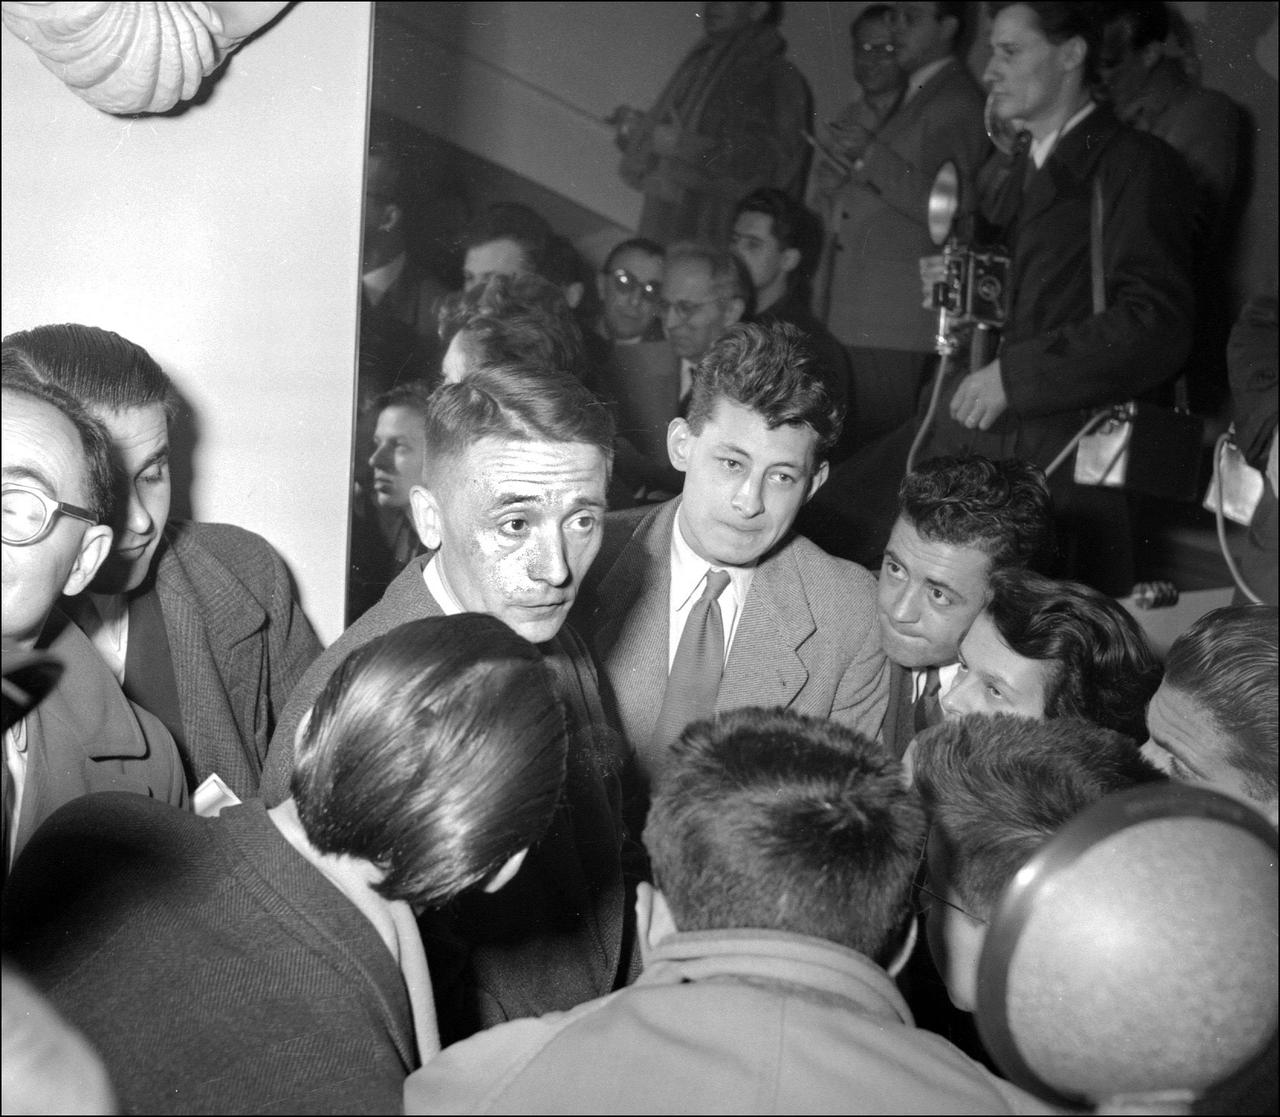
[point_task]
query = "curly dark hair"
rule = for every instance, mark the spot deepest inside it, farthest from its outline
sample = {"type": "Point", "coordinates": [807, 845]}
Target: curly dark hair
{"type": "Point", "coordinates": [1002, 507]}
{"type": "Point", "coordinates": [1102, 668]}
{"type": "Point", "coordinates": [770, 369]}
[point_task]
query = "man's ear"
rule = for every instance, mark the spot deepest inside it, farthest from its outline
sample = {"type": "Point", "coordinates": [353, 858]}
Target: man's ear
{"type": "Point", "coordinates": [733, 311]}
{"type": "Point", "coordinates": [654, 921]}
{"type": "Point", "coordinates": [789, 260]}
{"type": "Point", "coordinates": [679, 443]}
{"type": "Point", "coordinates": [424, 510]}
{"type": "Point", "coordinates": [508, 870]}
{"type": "Point", "coordinates": [94, 549]}
{"type": "Point", "coordinates": [908, 946]}
{"type": "Point", "coordinates": [573, 293]}
{"type": "Point", "coordinates": [391, 215]}
{"type": "Point", "coordinates": [1071, 54]}
{"type": "Point", "coordinates": [818, 479]}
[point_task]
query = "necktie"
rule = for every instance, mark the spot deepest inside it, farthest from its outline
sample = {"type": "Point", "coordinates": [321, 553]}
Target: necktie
{"type": "Point", "coordinates": [927, 709]}
{"type": "Point", "coordinates": [695, 673]}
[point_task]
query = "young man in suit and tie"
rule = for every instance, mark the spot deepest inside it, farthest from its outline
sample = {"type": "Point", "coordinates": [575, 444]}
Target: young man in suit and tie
{"type": "Point", "coordinates": [709, 602]}
{"type": "Point", "coordinates": [959, 520]}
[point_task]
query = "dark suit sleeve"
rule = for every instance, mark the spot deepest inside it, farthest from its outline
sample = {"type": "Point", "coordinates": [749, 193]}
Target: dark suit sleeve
{"type": "Point", "coordinates": [1142, 338]}
{"type": "Point", "coordinates": [953, 131]}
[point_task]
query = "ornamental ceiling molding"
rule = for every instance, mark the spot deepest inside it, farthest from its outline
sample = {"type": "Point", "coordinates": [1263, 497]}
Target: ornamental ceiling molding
{"type": "Point", "coordinates": [128, 58]}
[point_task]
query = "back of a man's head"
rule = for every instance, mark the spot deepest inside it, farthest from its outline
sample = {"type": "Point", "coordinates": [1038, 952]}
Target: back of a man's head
{"type": "Point", "coordinates": [518, 403]}
{"type": "Point", "coordinates": [1001, 507]}
{"type": "Point", "coordinates": [1227, 664]}
{"type": "Point", "coordinates": [104, 371]}
{"type": "Point", "coordinates": [772, 371]}
{"type": "Point", "coordinates": [517, 223]}
{"type": "Point", "coordinates": [511, 320]}
{"type": "Point", "coordinates": [436, 752]}
{"type": "Point", "coordinates": [769, 820]}
{"type": "Point", "coordinates": [996, 789]}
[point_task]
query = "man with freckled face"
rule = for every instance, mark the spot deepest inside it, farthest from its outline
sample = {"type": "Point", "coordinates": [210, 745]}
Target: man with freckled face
{"type": "Point", "coordinates": [511, 505]}
{"type": "Point", "coordinates": [959, 520]}
{"type": "Point", "coordinates": [796, 626]}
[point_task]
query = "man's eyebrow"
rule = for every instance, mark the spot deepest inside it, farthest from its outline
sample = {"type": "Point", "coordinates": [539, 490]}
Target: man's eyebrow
{"type": "Point", "coordinates": [998, 680]}
{"type": "Point", "coordinates": [939, 584]}
{"type": "Point", "coordinates": [161, 454]}
{"type": "Point", "coordinates": [30, 473]}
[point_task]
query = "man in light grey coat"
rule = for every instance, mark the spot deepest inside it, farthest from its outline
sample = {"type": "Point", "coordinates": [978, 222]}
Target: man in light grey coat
{"type": "Point", "coordinates": [798, 626]}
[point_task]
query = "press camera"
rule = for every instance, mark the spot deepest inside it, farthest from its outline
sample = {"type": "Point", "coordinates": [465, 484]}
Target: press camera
{"type": "Point", "coordinates": [972, 289]}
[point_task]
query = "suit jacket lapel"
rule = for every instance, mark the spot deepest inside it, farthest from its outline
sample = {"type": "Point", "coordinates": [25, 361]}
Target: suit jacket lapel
{"type": "Point", "coordinates": [765, 667]}
{"type": "Point", "coordinates": [632, 619]}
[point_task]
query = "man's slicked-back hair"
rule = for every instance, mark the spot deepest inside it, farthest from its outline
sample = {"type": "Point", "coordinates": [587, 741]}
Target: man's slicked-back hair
{"type": "Point", "coordinates": [771, 370]}
{"type": "Point", "coordinates": [1060, 20]}
{"type": "Point", "coordinates": [103, 370]}
{"type": "Point", "coordinates": [767, 819]}
{"type": "Point", "coordinates": [1227, 663]}
{"type": "Point", "coordinates": [517, 223]}
{"type": "Point", "coordinates": [729, 276]}
{"type": "Point", "coordinates": [436, 752]}
{"type": "Point", "coordinates": [1101, 667]}
{"type": "Point", "coordinates": [522, 319]}
{"type": "Point", "coordinates": [872, 13]}
{"type": "Point", "coordinates": [633, 244]}
{"type": "Point", "coordinates": [997, 788]}
{"type": "Point", "coordinates": [1002, 507]}
{"type": "Point", "coordinates": [19, 374]}
{"type": "Point", "coordinates": [522, 403]}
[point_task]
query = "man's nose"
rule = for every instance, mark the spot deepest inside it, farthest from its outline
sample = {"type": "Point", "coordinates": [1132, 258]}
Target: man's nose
{"type": "Point", "coordinates": [955, 703]}
{"type": "Point", "coordinates": [139, 519]}
{"type": "Point", "coordinates": [378, 458]}
{"type": "Point", "coordinates": [990, 74]}
{"type": "Point", "coordinates": [903, 607]}
{"type": "Point", "coordinates": [749, 499]}
{"type": "Point", "coordinates": [549, 562]}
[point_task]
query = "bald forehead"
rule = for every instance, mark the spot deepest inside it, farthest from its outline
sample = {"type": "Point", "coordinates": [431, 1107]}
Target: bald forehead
{"type": "Point", "coordinates": [41, 446]}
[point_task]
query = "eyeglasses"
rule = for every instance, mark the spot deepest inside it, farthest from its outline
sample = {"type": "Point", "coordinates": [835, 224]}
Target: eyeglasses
{"type": "Point", "coordinates": [683, 310]}
{"type": "Point", "coordinates": [629, 287]}
{"type": "Point", "coordinates": [28, 514]}
{"type": "Point", "coordinates": [886, 50]}
{"type": "Point", "coordinates": [920, 889]}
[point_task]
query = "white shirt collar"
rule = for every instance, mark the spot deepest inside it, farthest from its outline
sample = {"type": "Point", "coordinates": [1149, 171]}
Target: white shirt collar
{"type": "Point", "coordinates": [378, 282]}
{"type": "Point", "coordinates": [1041, 148]}
{"type": "Point", "coordinates": [434, 579]}
{"type": "Point", "coordinates": [922, 75]}
{"type": "Point", "coordinates": [688, 570]}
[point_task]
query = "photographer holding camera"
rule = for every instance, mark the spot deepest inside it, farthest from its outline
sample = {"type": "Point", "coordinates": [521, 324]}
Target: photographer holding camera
{"type": "Point", "coordinates": [1066, 352]}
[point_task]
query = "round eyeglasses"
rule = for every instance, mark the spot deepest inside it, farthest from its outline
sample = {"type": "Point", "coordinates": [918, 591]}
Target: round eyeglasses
{"type": "Point", "coordinates": [628, 286]}
{"type": "Point", "coordinates": [28, 514]}
{"type": "Point", "coordinates": [883, 50]}
{"type": "Point", "coordinates": [683, 309]}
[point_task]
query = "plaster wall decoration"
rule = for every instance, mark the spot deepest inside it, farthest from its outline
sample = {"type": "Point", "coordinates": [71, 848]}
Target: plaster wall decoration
{"type": "Point", "coordinates": [127, 58]}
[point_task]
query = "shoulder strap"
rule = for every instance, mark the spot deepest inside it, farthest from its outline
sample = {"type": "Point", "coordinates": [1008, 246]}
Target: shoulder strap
{"type": "Point", "coordinates": [1095, 248]}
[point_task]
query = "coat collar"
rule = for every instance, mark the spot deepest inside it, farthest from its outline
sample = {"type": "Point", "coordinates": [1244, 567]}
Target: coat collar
{"type": "Point", "coordinates": [821, 968]}
{"type": "Point", "coordinates": [1071, 164]}
{"type": "Point", "coordinates": [196, 589]}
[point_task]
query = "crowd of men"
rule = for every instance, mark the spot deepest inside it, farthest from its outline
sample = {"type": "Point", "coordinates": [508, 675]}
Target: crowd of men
{"type": "Point", "coordinates": [620, 793]}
